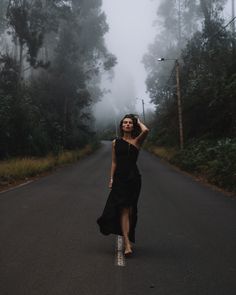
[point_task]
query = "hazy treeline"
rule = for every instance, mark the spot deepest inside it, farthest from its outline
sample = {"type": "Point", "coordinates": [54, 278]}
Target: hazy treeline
{"type": "Point", "coordinates": [52, 57]}
{"type": "Point", "coordinates": [196, 34]}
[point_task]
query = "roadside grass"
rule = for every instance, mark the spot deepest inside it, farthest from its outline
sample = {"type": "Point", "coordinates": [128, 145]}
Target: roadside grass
{"type": "Point", "coordinates": [211, 162]}
{"type": "Point", "coordinates": [16, 169]}
{"type": "Point", "coordinates": [163, 152]}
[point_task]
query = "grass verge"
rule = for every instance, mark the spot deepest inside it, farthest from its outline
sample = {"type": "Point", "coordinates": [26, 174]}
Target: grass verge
{"type": "Point", "coordinates": [18, 170]}
{"type": "Point", "coordinates": [212, 164]}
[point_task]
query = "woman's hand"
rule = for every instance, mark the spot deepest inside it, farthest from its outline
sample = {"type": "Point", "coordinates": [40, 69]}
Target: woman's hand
{"type": "Point", "coordinates": [110, 183]}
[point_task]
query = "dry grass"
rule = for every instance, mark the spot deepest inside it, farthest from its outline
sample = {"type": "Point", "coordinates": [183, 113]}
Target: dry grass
{"type": "Point", "coordinates": [22, 168]}
{"type": "Point", "coordinates": [163, 152]}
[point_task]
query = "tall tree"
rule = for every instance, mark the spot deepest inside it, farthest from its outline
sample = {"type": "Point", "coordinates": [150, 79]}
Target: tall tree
{"type": "Point", "coordinates": [55, 101]}
{"type": "Point", "coordinates": [207, 60]}
{"type": "Point", "coordinates": [3, 9]}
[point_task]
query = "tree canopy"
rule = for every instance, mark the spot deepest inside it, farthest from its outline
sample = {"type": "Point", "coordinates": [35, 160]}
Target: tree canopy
{"type": "Point", "coordinates": [50, 74]}
{"type": "Point", "coordinates": [207, 72]}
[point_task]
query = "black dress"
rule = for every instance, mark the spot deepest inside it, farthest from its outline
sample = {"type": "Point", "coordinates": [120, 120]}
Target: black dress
{"type": "Point", "coordinates": [125, 191]}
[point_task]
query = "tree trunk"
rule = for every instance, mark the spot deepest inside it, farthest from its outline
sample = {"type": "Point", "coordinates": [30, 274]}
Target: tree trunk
{"type": "Point", "coordinates": [206, 12]}
{"type": "Point", "coordinates": [21, 62]}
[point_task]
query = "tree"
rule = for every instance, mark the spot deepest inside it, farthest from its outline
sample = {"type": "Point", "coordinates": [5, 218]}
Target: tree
{"type": "Point", "coordinates": [29, 21]}
{"type": "Point", "coordinates": [207, 62]}
{"type": "Point", "coordinates": [3, 22]}
{"type": "Point", "coordinates": [51, 108]}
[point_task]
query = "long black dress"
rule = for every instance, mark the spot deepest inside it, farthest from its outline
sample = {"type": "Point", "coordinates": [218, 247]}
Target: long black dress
{"type": "Point", "coordinates": [125, 191]}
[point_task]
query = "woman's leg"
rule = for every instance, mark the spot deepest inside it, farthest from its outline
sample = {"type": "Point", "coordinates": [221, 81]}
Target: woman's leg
{"type": "Point", "coordinates": [125, 225]}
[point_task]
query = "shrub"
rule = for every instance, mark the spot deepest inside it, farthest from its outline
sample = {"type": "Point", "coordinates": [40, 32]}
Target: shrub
{"type": "Point", "coordinates": [214, 159]}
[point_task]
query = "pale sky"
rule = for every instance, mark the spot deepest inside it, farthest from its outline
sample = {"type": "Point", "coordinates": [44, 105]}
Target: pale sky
{"type": "Point", "coordinates": [228, 10]}
{"type": "Point", "coordinates": [130, 32]}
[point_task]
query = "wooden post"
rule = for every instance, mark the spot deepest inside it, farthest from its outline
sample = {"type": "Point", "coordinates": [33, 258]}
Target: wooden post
{"type": "Point", "coordinates": [181, 137]}
{"type": "Point", "coordinates": [143, 112]}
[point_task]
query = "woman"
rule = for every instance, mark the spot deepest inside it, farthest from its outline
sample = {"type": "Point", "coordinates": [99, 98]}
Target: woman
{"type": "Point", "coordinates": [120, 212]}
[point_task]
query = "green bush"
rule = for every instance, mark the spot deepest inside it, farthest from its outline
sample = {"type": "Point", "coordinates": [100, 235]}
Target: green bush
{"type": "Point", "coordinates": [214, 159]}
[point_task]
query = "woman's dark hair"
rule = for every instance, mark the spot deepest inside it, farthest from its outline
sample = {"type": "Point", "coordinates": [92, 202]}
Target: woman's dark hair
{"type": "Point", "coordinates": [136, 128]}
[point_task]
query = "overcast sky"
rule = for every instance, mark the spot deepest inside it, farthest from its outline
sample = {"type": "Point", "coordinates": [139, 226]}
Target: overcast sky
{"type": "Point", "coordinates": [130, 31]}
{"type": "Point", "coordinates": [228, 10]}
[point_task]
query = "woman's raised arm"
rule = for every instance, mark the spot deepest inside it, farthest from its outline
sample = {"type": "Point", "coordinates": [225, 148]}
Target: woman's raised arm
{"type": "Point", "coordinates": [144, 132]}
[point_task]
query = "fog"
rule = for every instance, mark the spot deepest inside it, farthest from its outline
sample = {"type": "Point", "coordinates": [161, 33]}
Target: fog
{"type": "Point", "coordinates": [227, 13]}
{"type": "Point", "coordinates": [130, 31]}
{"type": "Point", "coordinates": [56, 62]}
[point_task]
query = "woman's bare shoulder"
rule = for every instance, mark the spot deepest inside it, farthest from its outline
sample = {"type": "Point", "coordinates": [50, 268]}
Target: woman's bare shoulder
{"type": "Point", "coordinates": [114, 142]}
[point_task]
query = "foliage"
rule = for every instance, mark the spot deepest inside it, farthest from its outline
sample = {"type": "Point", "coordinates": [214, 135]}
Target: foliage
{"type": "Point", "coordinates": [207, 74]}
{"type": "Point", "coordinates": [207, 59]}
{"type": "Point", "coordinates": [216, 160]}
{"type": "Point", "coordinates": [3, 9]}
{"type": "Point", "coordinates": [27, 23]}
{"type": "Point", "coordinates": [50, 77]}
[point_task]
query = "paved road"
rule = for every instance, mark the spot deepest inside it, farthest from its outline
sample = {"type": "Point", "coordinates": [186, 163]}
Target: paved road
{"type": "Point", "coordinates": [50, 243]}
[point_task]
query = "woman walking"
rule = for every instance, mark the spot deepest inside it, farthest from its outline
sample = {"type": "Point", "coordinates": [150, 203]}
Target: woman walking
{"type": "Point", "coordinates": [120, 213]}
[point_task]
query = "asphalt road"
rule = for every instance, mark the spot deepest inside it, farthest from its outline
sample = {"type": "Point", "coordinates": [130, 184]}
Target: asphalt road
{"type": "Point", "coordinates": [50, 243]}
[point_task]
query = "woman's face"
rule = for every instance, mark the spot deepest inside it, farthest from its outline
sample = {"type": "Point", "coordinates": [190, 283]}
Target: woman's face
{"type": "Point", "coordinates": [127, 125]}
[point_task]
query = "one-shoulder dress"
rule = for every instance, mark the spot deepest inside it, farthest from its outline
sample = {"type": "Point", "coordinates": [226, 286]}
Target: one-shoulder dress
{"type": "Point", "coordinates": [125, 191]}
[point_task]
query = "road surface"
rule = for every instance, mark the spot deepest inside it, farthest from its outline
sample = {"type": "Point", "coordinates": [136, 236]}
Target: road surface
{"type": "Point", "coordinates": [50, 243]}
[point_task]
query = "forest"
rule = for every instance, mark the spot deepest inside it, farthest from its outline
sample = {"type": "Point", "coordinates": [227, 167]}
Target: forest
{"type": "Point", "coordinates": [52, 58]}
{"type": "Point", "coordinates": [196, 35]}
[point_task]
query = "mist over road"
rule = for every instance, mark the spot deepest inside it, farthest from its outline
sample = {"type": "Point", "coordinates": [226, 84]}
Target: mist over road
{"type": "Point", "coordinates": [50, 242]}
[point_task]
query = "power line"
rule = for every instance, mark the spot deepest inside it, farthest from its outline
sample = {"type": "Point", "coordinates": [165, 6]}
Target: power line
{"type": "Point", "coordinates": [214, 35]}
{"type": "Point", "coordinates": [172, 72]}
{"type": "Point", "coordinates": [233, 19]}
{"type": "Point", "coordinates": [220, 30]}
{"type": "Point", "coordinates": [167, 83]}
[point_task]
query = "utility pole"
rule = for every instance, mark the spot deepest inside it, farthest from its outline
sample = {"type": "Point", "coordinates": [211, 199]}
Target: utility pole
{"type": "Point", "coordinates": [143, 112]}
{"type": "Point", "coordinates": [143, 109]}
{"type": "Point", "coordinates": [116, 127]}
{"type": "Point", "coordinates": [233, 15]}
{"type": "Point", "coordinates": [181, 136]}
{"type": "Point", "coordinates": [179, 24]}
